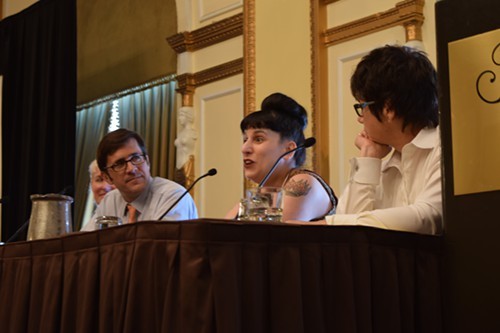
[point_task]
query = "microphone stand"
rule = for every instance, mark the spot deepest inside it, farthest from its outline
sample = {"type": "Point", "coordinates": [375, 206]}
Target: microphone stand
{"type": "Point", "coordinates": [307, 143]}
{"type": "Point", "coordinates": [210, 172]}
{"type": "Point", "coordinates": [18, 231]}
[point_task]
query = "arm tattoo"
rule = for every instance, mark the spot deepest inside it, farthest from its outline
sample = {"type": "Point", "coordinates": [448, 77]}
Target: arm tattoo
{"type": "Point", "coordinates": [297, 188]}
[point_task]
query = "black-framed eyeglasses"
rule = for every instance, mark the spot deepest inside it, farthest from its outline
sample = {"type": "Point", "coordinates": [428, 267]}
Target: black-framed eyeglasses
{"type": "Point", "coordinates": [358, 107]}
{"type": "Point", "coordinates": [121, 165]}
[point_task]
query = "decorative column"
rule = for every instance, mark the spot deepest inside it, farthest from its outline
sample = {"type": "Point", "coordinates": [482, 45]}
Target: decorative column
{"type": "Point", "coordinates": [185, 144]}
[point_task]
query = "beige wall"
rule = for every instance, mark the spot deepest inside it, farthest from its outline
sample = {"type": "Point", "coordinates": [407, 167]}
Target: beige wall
{"type": "Point", "coordinates": [11, 7]}
{"type": "Point", "coordinates": [283, 51]}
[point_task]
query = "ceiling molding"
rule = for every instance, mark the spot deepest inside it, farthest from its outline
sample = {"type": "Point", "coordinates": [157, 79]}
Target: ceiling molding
{"type": "Point", "coordinates": [327, 2]}
{"type": "Point", "coordinates": [209, 35]}
{"type": "Point", "coordinates": [188, 82]}
{"type": "Point", "coordinates": [408, 13]}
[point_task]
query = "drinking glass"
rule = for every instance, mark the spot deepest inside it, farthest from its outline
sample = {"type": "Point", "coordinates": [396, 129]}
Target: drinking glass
{"type": "Point", "coordinates": [103, 222]}
{"type": "Point", "coordinates": [264, 204]}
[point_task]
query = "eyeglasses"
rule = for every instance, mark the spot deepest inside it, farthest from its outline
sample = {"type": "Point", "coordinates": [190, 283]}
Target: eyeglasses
{"type": "Point", "coordinates": [121, 165]}
{"type": "Point", "coordinates": [358, 107]}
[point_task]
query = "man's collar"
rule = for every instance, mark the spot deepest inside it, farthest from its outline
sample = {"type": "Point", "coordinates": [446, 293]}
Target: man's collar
{"type": "Point", "coordinates": [141, 200]}
{"type": "Point", "coordinates": [426, 138]}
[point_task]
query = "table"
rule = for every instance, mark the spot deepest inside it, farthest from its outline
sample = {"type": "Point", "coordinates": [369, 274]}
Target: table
{"type": "Point", "coordinates": [223, 276]}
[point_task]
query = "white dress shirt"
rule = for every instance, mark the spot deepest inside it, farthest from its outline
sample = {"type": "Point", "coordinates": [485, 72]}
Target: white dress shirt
{"type": "Point", "coordinates": [151, 204]}
{"type": "Point", "coordinates": [403, 192]}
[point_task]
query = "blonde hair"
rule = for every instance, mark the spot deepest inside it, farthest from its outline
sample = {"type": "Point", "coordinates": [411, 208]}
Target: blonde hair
{"type": "Point", "coordinates": [92, 167]}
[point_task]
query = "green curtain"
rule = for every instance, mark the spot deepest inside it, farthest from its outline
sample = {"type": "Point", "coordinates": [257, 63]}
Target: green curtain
{"type": "Point", "coordinates": [91, 125]}
{"type": "Point", "coordinates": [151, 114]}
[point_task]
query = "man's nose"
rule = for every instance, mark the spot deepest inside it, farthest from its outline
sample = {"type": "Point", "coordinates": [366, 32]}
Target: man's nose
{"type": "Point", "coordinates": [130, 166]}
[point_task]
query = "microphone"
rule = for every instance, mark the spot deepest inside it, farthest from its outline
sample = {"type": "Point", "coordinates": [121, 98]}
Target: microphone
{"type": "Point", "coordinates": [211, 172]}
{"type": "Point", "coordinates": [307, 143]}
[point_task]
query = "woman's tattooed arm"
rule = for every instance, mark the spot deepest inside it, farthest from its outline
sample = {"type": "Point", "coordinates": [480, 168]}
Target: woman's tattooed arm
{"type": "Point", "coordinates": [297, 188]}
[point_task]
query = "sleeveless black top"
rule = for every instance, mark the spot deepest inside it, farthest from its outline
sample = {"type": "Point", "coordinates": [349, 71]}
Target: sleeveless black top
{"type": "Point", "coordinates": [326, 187]}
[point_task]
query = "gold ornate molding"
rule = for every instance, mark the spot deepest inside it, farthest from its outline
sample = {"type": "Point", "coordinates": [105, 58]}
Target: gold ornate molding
{"type": "Point", "coordinates": [408, 13]}
{"type": "Point", "coordinates": [188, 82]}
{"type": "Point", "coordinates": [319, 88]}
{"type": "Point", "coordinates": [249, 56]}
{"type": "Point", "coordinates": [249, 66]}
{"type": "Point", "coordinates": [210, 35]}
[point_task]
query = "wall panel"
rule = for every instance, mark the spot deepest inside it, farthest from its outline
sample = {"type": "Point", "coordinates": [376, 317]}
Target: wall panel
{"type": "Point", "coordinates": [210, 9]}
{"type": "Point", "coordinates": [219, 108]}
{"type": "Point", "coordinates": [205, 12]}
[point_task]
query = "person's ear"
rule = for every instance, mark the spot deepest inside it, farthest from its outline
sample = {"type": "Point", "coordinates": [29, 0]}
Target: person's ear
{"type": "Point", "coordinates": [388, 113]}
{"type": "Point", "coordinates": [290, 146]}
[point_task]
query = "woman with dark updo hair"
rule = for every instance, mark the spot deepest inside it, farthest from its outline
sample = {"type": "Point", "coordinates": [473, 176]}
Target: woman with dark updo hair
{"type": "Point", "coordinates": [267, 134]}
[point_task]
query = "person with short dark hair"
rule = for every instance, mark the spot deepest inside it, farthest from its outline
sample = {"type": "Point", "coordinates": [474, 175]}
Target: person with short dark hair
{"type": "Point", "coordinates": [279, 127]}
{"type": "Point", "coordinates": [395, 183]}
{"type": "Point", "coordinates": [123, 159]}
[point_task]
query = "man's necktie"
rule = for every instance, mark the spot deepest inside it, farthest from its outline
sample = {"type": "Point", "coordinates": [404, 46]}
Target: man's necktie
{"type": "Point", "coordinates": [132, 213]}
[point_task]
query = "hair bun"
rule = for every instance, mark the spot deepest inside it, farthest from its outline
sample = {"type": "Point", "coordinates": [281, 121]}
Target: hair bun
{"type": "Point", "coordinates": [286, 106]}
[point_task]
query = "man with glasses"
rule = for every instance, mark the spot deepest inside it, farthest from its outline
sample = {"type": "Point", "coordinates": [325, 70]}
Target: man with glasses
{"type": "Point", "coordinates": [395, 183]}
{"type": "Point", "coordinates": [124, 162]}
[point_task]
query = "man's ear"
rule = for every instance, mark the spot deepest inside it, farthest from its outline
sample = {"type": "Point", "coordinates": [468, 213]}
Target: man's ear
{"type": "Point", "coordinates": [388, 113]}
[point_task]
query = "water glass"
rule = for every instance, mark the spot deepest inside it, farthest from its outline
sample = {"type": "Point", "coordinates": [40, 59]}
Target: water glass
{"type": "Point", "coordinates": [263, 204]}
{"type": "Point", "coordinates": [103, 222]}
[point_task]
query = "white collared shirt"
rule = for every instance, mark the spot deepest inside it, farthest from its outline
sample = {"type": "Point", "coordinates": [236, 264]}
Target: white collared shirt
{"type": "Point", "coordinates": [403, 192]}
{"type": "Point", "coordinates": [151, 204]}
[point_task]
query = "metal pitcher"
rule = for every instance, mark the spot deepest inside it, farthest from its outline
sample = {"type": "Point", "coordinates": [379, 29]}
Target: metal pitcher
{"type": "Point", "coordinates": [50, 216]}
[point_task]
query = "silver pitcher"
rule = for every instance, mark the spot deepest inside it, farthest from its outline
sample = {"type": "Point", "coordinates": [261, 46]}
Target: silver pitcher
{"type": "Point", "coordinates": [50, 216]}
